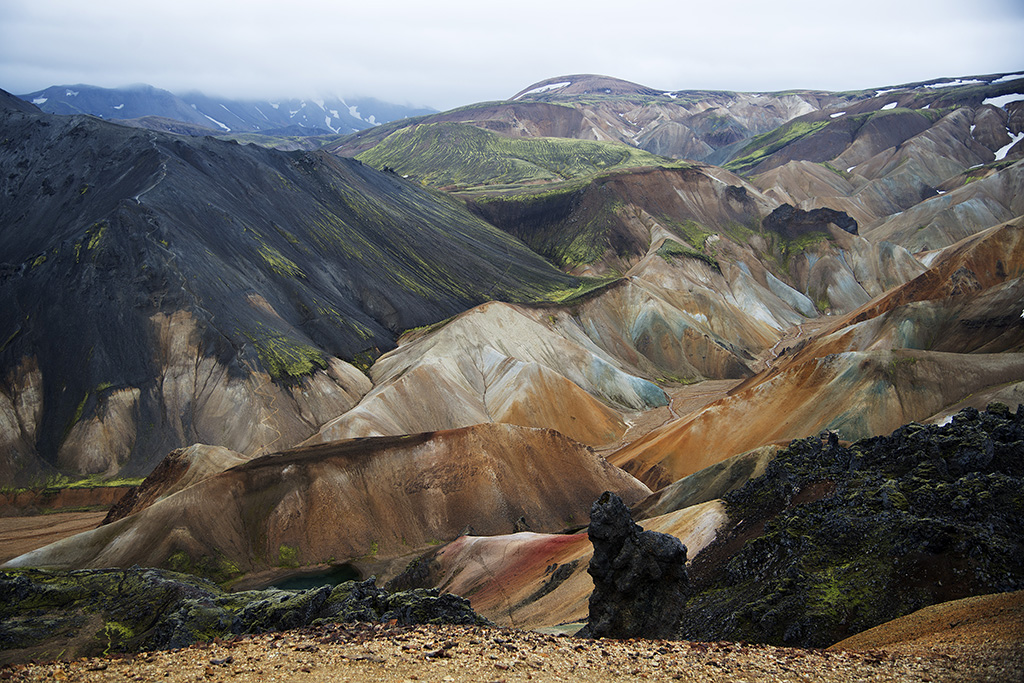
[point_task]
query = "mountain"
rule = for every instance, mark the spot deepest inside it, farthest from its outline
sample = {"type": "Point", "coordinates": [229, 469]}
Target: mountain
{"type": "Point", "coordinates": [163, 290]}
{"type": "Point", "coordinates": [564, 293]}
{"type": "Point", "coordinates": [218, 115]}
{"type": "Point", "coordinates": [392, 496]}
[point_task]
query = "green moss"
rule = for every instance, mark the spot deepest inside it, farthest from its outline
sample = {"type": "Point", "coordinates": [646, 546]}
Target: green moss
{"type": "Point", "coordinates": [763, 146]}
{"type": "Point", "coordinates": [94, 235]}
{"type": "Point", "coordinates": [279, 263]}
{"type": "Point", "coordinates": [586, 288]}
{"type": "Point", "coordinates": [671, 250]}
{"type": "Point", "coordinates": [456, 155]}
{"type": "Point", "coordinates": [77, 415]}
{"type": "Point", "coordinates": [283, 358]}
{"type": "Point", "coordinates": [117, 635]}
{"type": "Point", "coordinates": [218, 569]}
{"type": "Point", "coordinates": [38, 260]}
{"type": "Point", "coordinates": [287, 556]}
{"type": "Point", "coordinates": [9, 339]}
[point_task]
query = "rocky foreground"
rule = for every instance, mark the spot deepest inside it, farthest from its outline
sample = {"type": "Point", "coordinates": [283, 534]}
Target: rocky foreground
{"type": "Point", "coordinates": [365, 652]}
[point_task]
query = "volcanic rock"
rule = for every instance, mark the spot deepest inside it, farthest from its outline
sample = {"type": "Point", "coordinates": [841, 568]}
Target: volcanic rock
{"type": "Point", "coordinates": [128, 610]}
{"type": "Point", "coordinates": [791, 222]}
{"type": "Point", "coordinates": [640, 583]}
{"type": "Point", "coordinates": [834, 539]}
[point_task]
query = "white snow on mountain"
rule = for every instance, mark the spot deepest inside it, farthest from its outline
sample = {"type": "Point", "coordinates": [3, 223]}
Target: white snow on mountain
{"type": "Point", "coordinates": [217, 122]}
{"type": "Point", "coordinates": [1003, 100]}
{"type": "Point", "coordinates": [545, 88]}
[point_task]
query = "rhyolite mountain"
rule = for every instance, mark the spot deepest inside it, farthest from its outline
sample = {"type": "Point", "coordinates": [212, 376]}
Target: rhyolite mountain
{"type": "Point", "coordinates": [161, 290]}
{"type": "Point", "coordinates": [149, 107]}
{"type": "Point", "coordinates": [855, 264]}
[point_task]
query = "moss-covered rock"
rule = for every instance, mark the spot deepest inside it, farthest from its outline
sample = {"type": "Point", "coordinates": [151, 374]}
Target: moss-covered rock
{"type": "Point", "coordinates": [48, 615]}
{"type": "Point", "coordinates": [856, 536]}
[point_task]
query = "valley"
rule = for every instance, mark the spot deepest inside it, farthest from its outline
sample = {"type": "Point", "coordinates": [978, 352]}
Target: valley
{"type": "Point", "coordinates": [422, 350]}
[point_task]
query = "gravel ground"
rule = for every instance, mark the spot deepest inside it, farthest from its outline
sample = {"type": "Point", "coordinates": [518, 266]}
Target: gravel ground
{"type": "Point", "coordinates": [364, 652]}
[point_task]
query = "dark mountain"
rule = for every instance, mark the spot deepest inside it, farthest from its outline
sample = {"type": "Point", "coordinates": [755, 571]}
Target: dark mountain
{"type": "Point", "coordinates": [161, 290]}
{"type": "Point", "coordinates": [221, 115]}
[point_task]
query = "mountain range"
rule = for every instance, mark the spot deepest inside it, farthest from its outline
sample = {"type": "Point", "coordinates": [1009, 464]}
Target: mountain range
{"type": "Point", "coordinates": [447, 334]}
{"type": "Point", "coordinates": [197, 114]}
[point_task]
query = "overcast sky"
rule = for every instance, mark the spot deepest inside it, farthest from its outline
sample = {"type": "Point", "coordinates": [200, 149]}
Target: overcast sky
{"type": "Point", "coordinates": [445, 53]}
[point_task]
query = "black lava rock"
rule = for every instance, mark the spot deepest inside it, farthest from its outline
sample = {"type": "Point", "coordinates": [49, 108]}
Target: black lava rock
{"type": "Point", "coordinates": [640, 583]}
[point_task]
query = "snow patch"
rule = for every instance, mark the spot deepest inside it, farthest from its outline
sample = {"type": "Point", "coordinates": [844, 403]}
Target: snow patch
{"type": "Point", "coordinates": [879, 93]}
{"type": "Point", "coordinates": [944, 421]}
{"type": "Point", "coordinates": [40, 100]}
{"type": "Point", "coordinates": [891, 105]}
{"type": "Point", "coordinates": [319, 103]}
{"type": "Point", "coordinates": [837, 115]}
{"type": "Point", "coordinates": [70, 93]}
{"type": "Point", "coordinates": [327, 122]}
{"type": "Point", "coordinates": [1008, 77]}
{"type": "Point", "coordinates": [1003, 100]}
{"type": "Point", "coordinates": [119, 107]}
{"type": "Point", "coordinates": [973, 81]}
{"type": "Point", "coordinates": [545, 88]}
{"type": "Point", "coordinates": [334, 113]}
{"type": "Point", "coordinates": [217, 122]}
{"type": "Point", "coordinates": [372, 120]}
{"type": "Point", "coordinates": [941, 192]}
{"type": "Point", "coordinates": [670, 94]}
{"type": "Point", "coordinates": [275, 105]}
{"type": "Point", "coordinates": [1014, 139]}
{"type": "Point", "coordinates": [291, 114]}
{"type": "Point", "coordinates": [354, 112]}
{"type": "Point", "coordinates": [851, 168]}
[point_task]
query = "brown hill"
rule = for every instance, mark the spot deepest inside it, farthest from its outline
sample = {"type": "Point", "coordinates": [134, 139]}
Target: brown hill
{"type": "Point", "coordinates": [360, 501]}
{"type": "Point", "coordinates": [989, 620]}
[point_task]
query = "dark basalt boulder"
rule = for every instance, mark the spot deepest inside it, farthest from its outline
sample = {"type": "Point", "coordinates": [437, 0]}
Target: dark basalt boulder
{"type": "Point", "coordinates": [791, 222]}
{"type": "Point", "coordinates": [63, 615]}
{"type": "Point", "coordinates": [640, 583]}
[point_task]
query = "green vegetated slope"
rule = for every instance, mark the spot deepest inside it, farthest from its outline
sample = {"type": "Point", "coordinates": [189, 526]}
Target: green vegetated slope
{"type": "Point", "coordinates": [463, 156]}
{"type": "Point", "coordinates": [854, 536]}
{"type": "Point", "coordinates": [818, 139]}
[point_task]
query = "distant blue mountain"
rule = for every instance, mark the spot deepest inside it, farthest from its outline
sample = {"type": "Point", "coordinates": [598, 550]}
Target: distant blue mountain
{"type": "Point", "coordinates": [313, 116]}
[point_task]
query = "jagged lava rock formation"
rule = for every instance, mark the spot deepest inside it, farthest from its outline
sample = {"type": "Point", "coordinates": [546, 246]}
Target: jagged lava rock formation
{"type": "Point", "coordinates": [640, 583]}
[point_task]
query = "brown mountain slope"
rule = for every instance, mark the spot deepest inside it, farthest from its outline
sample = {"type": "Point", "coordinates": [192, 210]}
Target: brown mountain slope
{"type": "Point", "coordinates": [991, 620]}
{"type": "Point", "coordinates": [903, 357]}
{"type": "Point", "coordinates": [355, 501]}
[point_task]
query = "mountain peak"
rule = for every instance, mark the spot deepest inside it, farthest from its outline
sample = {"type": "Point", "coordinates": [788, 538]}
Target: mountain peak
{"type": "Point", "coordinates": [586, 84]}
